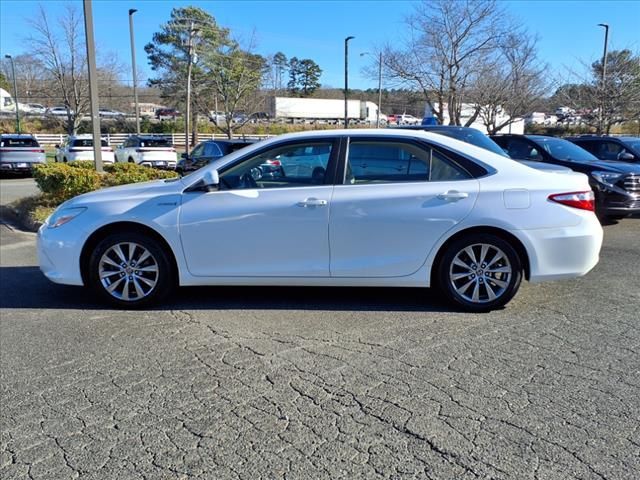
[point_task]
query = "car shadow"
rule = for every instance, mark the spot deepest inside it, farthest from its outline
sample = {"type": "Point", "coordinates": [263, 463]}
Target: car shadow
{"type": "Point", "coordinates": [26, 287]}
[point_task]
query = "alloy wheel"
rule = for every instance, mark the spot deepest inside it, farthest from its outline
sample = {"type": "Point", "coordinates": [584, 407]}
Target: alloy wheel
{"type": "Point", "coordinates": [480, 273]}
{"type": "Point", "coordinates": [128, 271]}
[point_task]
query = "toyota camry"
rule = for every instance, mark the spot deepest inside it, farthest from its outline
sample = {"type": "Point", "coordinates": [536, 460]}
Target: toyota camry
{"type": "Point", "coordinates": [378, 208]}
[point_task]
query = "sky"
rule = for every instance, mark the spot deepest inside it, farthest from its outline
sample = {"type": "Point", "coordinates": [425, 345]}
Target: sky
{"type": "Point", "coordinates": [567, 30]}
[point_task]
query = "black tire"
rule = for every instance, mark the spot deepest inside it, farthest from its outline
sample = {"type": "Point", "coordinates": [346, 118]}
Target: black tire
{"type": "Point", "coordinates": [485, 280]}
{"type": "Point", "coordinates": [64, 159]}
{"type": "Point", "coordinates": [131, 160]}
{"type": "Point", "coordinates": [166, 275]}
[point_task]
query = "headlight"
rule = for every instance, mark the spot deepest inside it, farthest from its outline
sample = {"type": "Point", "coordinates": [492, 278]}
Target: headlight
{"type": "Point", "coordinates": [64, 215]}
{"type": "Point", "coordinates": [608, 178]}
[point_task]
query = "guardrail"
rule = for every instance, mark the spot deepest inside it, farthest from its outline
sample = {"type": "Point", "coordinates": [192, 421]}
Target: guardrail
{"type": "Point", "coordinates": [115, 139]}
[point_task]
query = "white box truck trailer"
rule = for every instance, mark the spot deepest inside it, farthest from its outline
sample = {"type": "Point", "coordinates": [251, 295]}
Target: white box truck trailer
{"type": "Point", "coordinates": [317, 110]}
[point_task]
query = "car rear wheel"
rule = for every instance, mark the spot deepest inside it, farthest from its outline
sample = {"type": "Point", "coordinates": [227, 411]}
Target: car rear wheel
{"type": "Point", "coordinates": [131, 160]}
{"type": "Point", "coordinates": [130, 270]}
{"type": "Point", "coordinates": [480, 272]}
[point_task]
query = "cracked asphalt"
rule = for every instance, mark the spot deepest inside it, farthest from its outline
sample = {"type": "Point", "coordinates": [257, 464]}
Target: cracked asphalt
{"type": "Point", "coordinates": [315, 383]}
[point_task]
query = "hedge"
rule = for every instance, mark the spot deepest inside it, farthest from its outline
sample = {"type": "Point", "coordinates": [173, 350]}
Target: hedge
{"type": "Point", "coordinates": [61, 181]}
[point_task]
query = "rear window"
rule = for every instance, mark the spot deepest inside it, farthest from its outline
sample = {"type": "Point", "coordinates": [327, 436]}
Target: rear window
{"type": "Point", "coordinates": [88, 142]}
{"type": "Point", "coordinates": [155, 142]}
{"type": "Point", "coordinates": [19, 142]}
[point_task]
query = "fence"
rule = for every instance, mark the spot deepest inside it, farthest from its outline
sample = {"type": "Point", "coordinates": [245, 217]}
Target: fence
{"type": "Point", "coordinates": [114, 139]}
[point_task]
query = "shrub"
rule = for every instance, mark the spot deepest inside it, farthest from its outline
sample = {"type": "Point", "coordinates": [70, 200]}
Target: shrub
{"type": "Point", "coordinates": [61, 182]}
{"type": "Point", "coordinates": [124, 173]}
{"type": "Point", "coordinates": [89, 164]}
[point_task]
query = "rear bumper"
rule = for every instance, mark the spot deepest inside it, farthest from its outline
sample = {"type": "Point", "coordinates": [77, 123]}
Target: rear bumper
{"type": "Point", "coordinates": [18, 167]}
{"type": "Point", "coordinates": [560, 253]}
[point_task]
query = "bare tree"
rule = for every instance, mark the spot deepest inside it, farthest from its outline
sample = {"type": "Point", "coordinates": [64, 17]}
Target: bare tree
{"type": "Point", "coordinates": [447, 50]}
{"type": "Point", "coordinates": [235, 75]}
{"type": "Point", "coordinates": [599, 105]}
{"type": "Point", "coordinates": [62, 54]}
{"type": "Point", "coordinates": [512, 84]}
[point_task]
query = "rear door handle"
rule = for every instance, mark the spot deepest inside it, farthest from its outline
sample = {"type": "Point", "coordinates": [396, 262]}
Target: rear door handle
{"type": "Point", "coordinates": [312, 202]}
{"type": "Point", "coordinates": [453, 195]}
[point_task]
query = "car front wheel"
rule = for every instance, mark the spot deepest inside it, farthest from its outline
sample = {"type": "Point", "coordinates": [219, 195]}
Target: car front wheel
{"type": "Point", "coordinates": [130, 270]}
{"type": "Point", "coordinates": [480, 272]}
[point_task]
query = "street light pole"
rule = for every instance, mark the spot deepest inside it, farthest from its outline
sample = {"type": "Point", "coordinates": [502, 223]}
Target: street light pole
{"type": "Point", "coordinates": [346, 80]}
{"type": "Point", "coordinates": [379, 86]}
{"type": "Point", "coordinates": [15, 92]}
{"type": "Point", "coordinates": [93, 84]}
{"type": "Point", "coordinates": [604, 78]}
{"type": "Point", "coordinates": [187, 113]}
{"type": "Point", "coordinates": [133, 67]}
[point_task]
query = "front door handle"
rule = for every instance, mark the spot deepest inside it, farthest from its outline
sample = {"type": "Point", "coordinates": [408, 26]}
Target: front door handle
{"type": "Point", "coordinates": [453, 195]}
{"type": "Point", "coordinates": [312, 202]}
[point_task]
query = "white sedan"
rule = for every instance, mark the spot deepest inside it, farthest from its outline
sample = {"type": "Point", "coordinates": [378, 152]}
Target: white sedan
{"type": "Point", "coordinates": [390, 208]}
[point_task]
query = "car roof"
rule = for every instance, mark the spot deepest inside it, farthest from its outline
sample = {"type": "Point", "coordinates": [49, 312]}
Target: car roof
{"type": "Point", "coordinates": [231, 141]}
{"type": "Point", "coordinates": [17, 135]}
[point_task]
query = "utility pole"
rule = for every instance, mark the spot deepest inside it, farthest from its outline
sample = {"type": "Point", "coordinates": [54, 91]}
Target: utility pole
{"type": "Point", "coordinates": [346, 80]}
{"type": "Point", "coordinates": [93, 84]}
{"type": "Point", "coordinates": [604, 79]}
{"type": "Point", "coordinates": [379, 90]}
{"type": "Point", "coordinates": [15, 92]}
{"type": "Point", "coordinates": [187, 113]}
{"type": "Point", "coordinates": [133, 67]}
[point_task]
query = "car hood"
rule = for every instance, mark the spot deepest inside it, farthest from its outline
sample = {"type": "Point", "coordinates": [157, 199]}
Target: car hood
{"type": "Point", "coordinates": [614, 166]}
{"type": "Point", "coordinates": [130, 192]}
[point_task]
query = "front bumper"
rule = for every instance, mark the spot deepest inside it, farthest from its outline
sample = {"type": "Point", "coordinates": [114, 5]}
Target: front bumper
{"type": "Point", "coordinates": [59, 254]}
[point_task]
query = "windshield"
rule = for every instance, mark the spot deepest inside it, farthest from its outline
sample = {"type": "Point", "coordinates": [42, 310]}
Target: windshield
{"type": "Point", "coordinates": [474, 137]}
{"type": "Point", "coordinates": [564, 150]}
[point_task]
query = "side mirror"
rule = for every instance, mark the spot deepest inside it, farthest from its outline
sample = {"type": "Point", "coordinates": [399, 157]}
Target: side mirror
{"type": "Point", "coordinates": [184, 156]}
{"type": "Point", "coordinates": [625, 156]}
{"type": "Point", "coordinates": [211, 180]}
{"type": "Point", "coordinates": [57, 145]}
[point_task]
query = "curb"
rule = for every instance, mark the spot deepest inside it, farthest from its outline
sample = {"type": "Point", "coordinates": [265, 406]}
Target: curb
{"type": "Point", "coordinates": [19, 218]}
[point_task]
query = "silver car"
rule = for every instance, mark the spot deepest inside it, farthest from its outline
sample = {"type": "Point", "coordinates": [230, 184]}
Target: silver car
{"type": "Point", "coordinates": [19, 153]}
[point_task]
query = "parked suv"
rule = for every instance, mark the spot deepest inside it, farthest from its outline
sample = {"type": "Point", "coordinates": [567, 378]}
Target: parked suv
{"type": "Point", "coordinates": [621, 149]}
{"type": "Point", "coordinates": [616, 184]}
{"type": "Point", "coordinates": [19, 153]}
{"type": "Point", "coordinates": [206, 152]}
{"type": "Point", "coordinates": [80, 147]}
{"type": "Point", "coordinates": [155, 152]}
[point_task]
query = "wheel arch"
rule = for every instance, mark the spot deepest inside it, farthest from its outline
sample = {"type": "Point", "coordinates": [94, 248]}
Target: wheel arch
{"type": "Point", "coordinates": [498, 232]}
{"type": "Point", "coordinates": [119, 227]}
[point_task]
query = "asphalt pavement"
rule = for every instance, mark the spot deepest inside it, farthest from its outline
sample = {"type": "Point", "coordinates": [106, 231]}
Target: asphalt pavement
{"type": "Point", "coordinates": [14, 188]}
{"type": "Point", "coordinates": [314, 383]}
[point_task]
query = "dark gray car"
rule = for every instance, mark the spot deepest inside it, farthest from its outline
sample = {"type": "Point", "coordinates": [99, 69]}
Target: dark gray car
{"type": "Point", "coordinates": [19, 153]}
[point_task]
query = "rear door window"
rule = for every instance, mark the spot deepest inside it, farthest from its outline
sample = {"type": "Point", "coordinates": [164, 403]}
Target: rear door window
{"type": "Point", "coordinates": [397, 162]}
{"type": "Point", "coordinates": [212, 150]}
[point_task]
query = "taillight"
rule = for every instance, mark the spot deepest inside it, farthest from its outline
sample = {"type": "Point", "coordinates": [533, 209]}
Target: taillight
{"type": "Point", "coordinates": [580, 200]}
{"type": "Point", "coordinates": [275, 163]}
